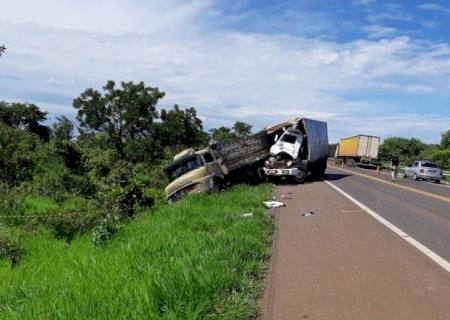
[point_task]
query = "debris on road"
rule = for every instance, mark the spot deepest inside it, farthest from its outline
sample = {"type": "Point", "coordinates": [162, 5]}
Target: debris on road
{"type": "Point", "coordinates": [273, 204]}
{"type": "Point", "coordinates": [307, 214]}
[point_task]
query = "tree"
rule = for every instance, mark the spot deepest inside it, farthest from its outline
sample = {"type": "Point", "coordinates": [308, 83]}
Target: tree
{"type": "Point", "coordinates": [406, 149]}
{"type": "Point", "coordinates": [24, 116]}
{"type": "Point", "coordinates": [181, 127]}
{"type": "Point", "coordinates": [177, 129]}
{"type": "Point", "coordinates": [242, 129]}
{"type": "Point", "coordinates": [62, 129]}
{"type": "Point", "coordinates": [16, 149]}
{"type": "Point", "coordinates": [125, 113]}
{"type": "Point", "coordinates": [2, 50]}
{"type": "Point", "coordinates": [445, 140]}
{"type": "Point", "coordinates": [332, 150]}
{"type": "Point", "coordinates": [222, 134]}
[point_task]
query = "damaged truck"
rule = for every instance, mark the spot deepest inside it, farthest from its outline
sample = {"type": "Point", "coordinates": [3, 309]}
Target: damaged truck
{"type": "Point", "coordinates": [289, 150]}
{"type": "Point", "coordinates": [216, 166]}
{"type": "Point", "coordinates": [300, 149]}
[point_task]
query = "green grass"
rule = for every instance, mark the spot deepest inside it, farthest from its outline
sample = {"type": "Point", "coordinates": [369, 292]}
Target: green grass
{"type": "Point", "coordinates": [197, 259]}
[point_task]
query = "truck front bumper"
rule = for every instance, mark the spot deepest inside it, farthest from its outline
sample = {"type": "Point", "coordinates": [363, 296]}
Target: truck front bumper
{"type": "Point", "coordinates": [281, 172]}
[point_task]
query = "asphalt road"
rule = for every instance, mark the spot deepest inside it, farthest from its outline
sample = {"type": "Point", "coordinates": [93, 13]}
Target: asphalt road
{"type": "Point", "coordinates": [420, 209]}
{"type": "Point", "coordinates": [331, 259]}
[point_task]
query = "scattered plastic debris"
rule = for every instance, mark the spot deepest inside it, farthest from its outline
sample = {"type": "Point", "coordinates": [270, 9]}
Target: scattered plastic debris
{"type": "Point", "coordinates": [307, 214]}
{"type": "Point", "coordinates": [285, 196]}
{"type": "Point", "coordinates": [248, 215]}
{"type": "Point", "coordinates": [274, 204]}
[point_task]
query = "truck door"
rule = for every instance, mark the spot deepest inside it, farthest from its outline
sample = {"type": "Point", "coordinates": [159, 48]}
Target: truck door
{"type": "Point", "coordinates": [212, 166]}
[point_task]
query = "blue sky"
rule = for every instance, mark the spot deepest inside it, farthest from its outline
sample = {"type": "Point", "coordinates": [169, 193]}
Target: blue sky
{"type": "Point", "coordinates": [364, 66]}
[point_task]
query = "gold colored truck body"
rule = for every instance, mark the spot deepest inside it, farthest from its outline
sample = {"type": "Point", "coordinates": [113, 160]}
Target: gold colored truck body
{"type": "Point", "coordinates": [360, 146]}
{"type": "Point", "coordinates": [348, 147]}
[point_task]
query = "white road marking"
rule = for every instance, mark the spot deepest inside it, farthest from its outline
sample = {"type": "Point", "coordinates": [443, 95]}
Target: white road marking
{"type": "Point", "coordinates": [430, 254]}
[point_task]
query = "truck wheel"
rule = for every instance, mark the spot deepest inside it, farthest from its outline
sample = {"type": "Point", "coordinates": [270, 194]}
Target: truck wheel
{"type": "Point", "coordinates": [300, 178]}
{"type": "Point", "coordinates": [217, 185]}
{"type": "Point", "coordinates": [261, 175]}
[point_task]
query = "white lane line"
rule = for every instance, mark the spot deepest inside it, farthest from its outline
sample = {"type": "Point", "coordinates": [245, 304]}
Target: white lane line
{"type": "Point", "coordinates": [430, 254]}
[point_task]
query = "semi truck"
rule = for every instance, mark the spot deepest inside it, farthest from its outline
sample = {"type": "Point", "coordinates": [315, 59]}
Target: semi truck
{"type": "Point", "coordinates": [291, 149]}
{"type": "Point", "coordinates": [300, 149]}
{"type": "Point", "coordinates": [360, 150]}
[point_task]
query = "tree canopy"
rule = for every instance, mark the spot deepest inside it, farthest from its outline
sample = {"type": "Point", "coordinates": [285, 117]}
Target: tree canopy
{"type": "Point", "coordinates": [445, 139]}
{"type": "Point", "coordinates": [239, 130]}
{"type": "Point", "coordinates": [124, 113]}
{"type": "Point", "coordinates": [62, 129]}
{"type": "Point", "coordinates": [24, 116]}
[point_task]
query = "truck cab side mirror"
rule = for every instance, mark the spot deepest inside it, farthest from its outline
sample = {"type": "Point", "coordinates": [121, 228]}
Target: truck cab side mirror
{"type": "Point", "coordinates": [276, 138]}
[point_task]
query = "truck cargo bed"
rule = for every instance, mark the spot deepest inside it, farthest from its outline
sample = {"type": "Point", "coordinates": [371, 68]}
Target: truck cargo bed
{"type": "Point", "coordinates": [239, 154]}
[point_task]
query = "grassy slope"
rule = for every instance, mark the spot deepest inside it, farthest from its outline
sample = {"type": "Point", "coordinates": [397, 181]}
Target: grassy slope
{"type": "Point", "coordinates": [196, 259]}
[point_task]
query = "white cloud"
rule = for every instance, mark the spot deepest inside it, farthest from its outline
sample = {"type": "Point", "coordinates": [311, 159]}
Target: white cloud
{"type": "Point", "coordinates": [378, 31]}
{"type": "Point", "coordinates": [363, 2]}
{"type": "Point", "coordinates": [434, 7]}
{"type": "Point", "coordinates": [54, 55]}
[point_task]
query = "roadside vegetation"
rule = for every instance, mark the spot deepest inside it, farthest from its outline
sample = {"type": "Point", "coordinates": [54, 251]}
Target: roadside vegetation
{"type": "Point", "coordinates": [197, 259]}
{"type": "Point", "coordinates": [85, 231]}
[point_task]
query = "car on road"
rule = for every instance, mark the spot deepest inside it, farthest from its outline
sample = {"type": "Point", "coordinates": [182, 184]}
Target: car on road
{"type": "Point", "coordinates": [425, 170]}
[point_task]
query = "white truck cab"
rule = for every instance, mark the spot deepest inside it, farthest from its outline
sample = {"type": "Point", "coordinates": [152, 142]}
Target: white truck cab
{"type": "Point", "coordinates": [289, 143]}
{"type": "Point", "coordinates": [285, 155]}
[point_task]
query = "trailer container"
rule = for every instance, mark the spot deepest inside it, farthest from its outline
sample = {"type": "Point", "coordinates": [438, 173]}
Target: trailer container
{"type": "Point", "coordinates": [358, 150]}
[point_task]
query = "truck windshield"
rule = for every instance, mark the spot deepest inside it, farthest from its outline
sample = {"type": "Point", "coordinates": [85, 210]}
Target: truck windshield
{"type": "Point", "coordinates": [289, 139]}
{"type": "Point", "coordinates": [184, 166]}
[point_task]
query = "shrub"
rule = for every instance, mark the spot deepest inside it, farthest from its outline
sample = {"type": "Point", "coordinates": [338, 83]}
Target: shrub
{"type": "Point", "coordinates": [73, 216]}
{"type": "Point", "coordinates": [123, 191]}
{"type": "Point", "coordinates": [16, 147]}
{"type": "Point", "coordinates": [106, 229]}
{"type": "Point", "coordinates": [10, 250]}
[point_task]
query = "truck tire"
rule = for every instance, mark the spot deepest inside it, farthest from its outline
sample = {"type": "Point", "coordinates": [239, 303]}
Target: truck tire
{"type": "Point", "coordinates": [261, 175]}
{"type": "Point", "coordinates": [300, 178]}
{"type": "Point", "coordinates": [217, 185]}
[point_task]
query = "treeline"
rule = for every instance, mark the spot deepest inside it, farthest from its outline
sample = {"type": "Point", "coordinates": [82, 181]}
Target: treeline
{"type": "Point", "coordinates": [410, 150]}
{"type": "Point", "coordinates": [100, 170]}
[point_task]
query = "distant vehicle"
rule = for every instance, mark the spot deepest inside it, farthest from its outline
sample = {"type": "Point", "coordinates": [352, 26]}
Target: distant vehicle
{"type": "Point", "coordinates": [359, 150]}
{"type": "Point", "coordinates": [425, 170]}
